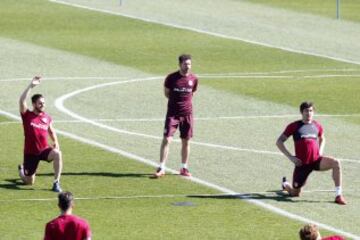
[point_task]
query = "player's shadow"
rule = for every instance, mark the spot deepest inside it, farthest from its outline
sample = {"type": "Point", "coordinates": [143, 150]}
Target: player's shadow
{"type": "Point", "coordinates": [14, 184]}
{"type": "Point", "coordinates": [279, 196]}
{"type": "Point", "coordinates": [275, 195]}
{"type": "Point", "coordinates": [100, 174]}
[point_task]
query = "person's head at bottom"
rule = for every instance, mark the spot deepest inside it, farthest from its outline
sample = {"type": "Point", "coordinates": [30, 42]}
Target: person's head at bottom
{"type": "Point", "coordinates": [66, 202]}
{"type": "Point", "coordinates": [309, 232]}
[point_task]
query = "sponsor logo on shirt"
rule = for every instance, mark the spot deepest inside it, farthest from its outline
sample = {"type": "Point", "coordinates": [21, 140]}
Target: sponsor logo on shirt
{"type": "Point", "coordinates": [306, 136]}
{"type": "Point", "coordinates": [39, 126]}
{"type": "Point", "coordinates": [188, 90]}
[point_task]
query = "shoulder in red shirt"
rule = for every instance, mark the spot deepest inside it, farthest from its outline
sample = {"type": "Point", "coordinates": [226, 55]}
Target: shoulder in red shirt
{"type": "Point", "coordinates": [69, 227]}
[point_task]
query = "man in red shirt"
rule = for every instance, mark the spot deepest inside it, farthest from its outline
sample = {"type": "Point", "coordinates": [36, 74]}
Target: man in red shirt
{"type": "Point", "coordinates": [67, 226]}
{"type": "Point", "coordinates": [309, 143]}
{"type": "Point", "coordinates": [179, 88]}
{"type": "Point", "coordinates": [311, 232]}
{"type": "Point", "coordinates": [37, 128]}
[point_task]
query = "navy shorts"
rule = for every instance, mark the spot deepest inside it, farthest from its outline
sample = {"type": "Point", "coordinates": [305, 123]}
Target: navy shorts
{"type": "Point", "coordinates": [31, 162]}
{"type": "Point", "coordinates": [302, 172]}
{"type": "Point", "coordinates": [184, 123]}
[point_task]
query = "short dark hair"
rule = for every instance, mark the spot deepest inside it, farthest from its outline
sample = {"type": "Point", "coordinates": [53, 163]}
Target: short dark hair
{"type": "Point", "coordinates": [35, 97]}
{"type": "Point", "coordinates": [65, 200]}
{"type": "Point", "coordinates": [184, 57]}
{"type": "Point", "coordinates": [309, 232]}
{"type": "Point", "coordinates": [305, 105]}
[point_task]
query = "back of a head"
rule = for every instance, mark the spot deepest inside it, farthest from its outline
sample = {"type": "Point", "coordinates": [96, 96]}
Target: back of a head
{"type": "Point", "coordinates": [65, 200]}
{"type": "Point", "coordinates": [309, 232]}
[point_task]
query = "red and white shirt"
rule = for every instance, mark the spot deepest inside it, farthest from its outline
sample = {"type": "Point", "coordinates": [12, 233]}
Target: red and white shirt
{"type": "Point", "coordinates": [306, 140]}
{"type": "Point", "coordinates": [35, 131]}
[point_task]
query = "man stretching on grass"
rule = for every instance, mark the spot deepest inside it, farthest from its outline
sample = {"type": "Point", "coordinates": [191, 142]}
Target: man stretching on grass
{"type": "Point", "coordinates": [309, 146]}
{"type": "Point", "coordinates": [37, 127]}
{"type": "Point", "coordinates": [179, 88]}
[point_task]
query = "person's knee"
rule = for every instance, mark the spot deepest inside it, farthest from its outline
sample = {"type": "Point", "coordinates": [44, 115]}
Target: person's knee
{"type": "Point", "coordinates": [166, 141]}
{"type": "Point", "coordinates": [336, 164]}
{"type": "Point", "coordinates": [185, 142]}
{"type": "Point", "coordinates": [28, 180]}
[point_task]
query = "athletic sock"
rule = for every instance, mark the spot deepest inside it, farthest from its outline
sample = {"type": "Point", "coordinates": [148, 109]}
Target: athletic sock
{"type": "Point", "coordinates": [21, 172]}
{"type": "Point", "coordinates": [338, 190]}
{"type": "Point", "coordinates": [162, 166]}
{"type": "Point", "coordinates": [56, 181]}
{"type": "Point", "coordinates": [184, 165]}
{"type": "Point", "coordinates": [285, 184]}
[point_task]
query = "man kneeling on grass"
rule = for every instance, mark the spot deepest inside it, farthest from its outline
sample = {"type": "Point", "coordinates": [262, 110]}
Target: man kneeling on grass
{"type": "Point", "coordinates": [309, 142]}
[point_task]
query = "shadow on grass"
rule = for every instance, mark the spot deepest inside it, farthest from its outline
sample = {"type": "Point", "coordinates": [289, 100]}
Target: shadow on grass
{"type": "Point", "coordinates": [274, 195]}
{"type": "Point", "coordinates": [14, 184]}
{"type": "Point", "coordinates": [101, 174]}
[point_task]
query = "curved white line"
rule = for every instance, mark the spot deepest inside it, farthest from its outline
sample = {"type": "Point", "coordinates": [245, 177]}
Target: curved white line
{"type": "Point", "coordinates": [197, 180]}
{"type": "Point", "coordinates": [59, 103]}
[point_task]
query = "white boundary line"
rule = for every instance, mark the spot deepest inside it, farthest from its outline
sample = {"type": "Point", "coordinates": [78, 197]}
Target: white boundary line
{"type": "Point", "coordinates": [205, 32]}
{"type": "Point", "coordinates": [200, 195]}
{"type": "Point", "coordinates": [59, 104]}
{"type": "Point", "coordinates": [260, 75]}
{"type": "Point", "coordinates": [197, 180]}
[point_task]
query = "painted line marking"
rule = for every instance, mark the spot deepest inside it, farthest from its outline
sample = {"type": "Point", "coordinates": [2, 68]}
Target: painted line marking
{"type": "Point", "coordinates": [59, 104]}
{"type": "Point", "coordinates": [224, 36]}
{"type": "Point", "coordinates": [197, 180]}
{"type": "Point", "coordinates": [259, 75]}
{"type": "Point", "coordinates": [237, 195]}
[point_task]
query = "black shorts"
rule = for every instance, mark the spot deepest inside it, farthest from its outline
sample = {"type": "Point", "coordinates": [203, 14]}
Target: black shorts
{"type": "Point", "coordinates": [302, 172]}
{"type": "Point", "coordinates": [184, 123]}
{"type": "Point", "coordinates": [31, 162]}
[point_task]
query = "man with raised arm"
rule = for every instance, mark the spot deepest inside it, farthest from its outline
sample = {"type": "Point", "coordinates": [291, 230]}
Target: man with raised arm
{"type": "Point", "coordinates": [37, 128]}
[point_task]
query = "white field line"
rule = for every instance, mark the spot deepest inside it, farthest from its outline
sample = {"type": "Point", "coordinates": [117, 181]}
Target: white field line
{"type": "Point", "coordinates": [59, 104]}
{"type": "Point", "coordinates": [205, 32]}
{"type": "Point", "coordinates": [63, 78]}
{"type": "Point", "coordinates": [200, 195]}
{"type": "Point", "coordinates": [110, 120]}
{"type": "Point", "coordinates": [197, 180]}
{"type": "Point", "coordinates": [259, 75]}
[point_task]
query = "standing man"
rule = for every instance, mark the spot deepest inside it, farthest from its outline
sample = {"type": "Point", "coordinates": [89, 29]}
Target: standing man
{"type": "Point", "coordinates": [179, 88]}
{"type": "Point", "coordinates": [67, 226]}
{"type": "Point", "coordinates": [309, 146]}
{"type": "Point", "coordinates": [37, 127]}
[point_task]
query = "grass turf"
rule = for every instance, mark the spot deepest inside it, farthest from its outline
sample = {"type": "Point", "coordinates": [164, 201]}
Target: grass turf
{"type": "Point", "coordinates": [150, 48]}
{"type": "Point", "coordinates": [115, 39]}
{"type": "Point", "coordinates": [93, 172]}
{"type": "Point", "coordinates": [349, 9]}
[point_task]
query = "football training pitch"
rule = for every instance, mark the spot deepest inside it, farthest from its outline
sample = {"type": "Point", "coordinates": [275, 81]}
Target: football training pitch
{"type": "Point", "coordinates": [103, 69]}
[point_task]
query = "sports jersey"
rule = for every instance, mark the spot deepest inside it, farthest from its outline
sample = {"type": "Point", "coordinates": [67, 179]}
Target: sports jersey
{"type": "Point", "coordinates": [69, 227]}
{"type": "Point", "coordinates": [333, 238]}
{"type": "Point", "coordinates": [181, 91]}
{"type": "Point", "coordinates": [306, 142]}
{"type": "Point", "coordinates": [35, 131]}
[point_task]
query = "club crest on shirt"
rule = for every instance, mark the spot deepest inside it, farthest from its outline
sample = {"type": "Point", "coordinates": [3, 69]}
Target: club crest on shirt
{"type": "Point", "coordinates": [190, 83]}
{"type": "Point", "coordinates": [44, 120]}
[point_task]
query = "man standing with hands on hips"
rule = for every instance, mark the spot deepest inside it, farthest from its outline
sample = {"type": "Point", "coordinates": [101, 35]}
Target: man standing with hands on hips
{"type": "Point", "coordinates": [179, 88]}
